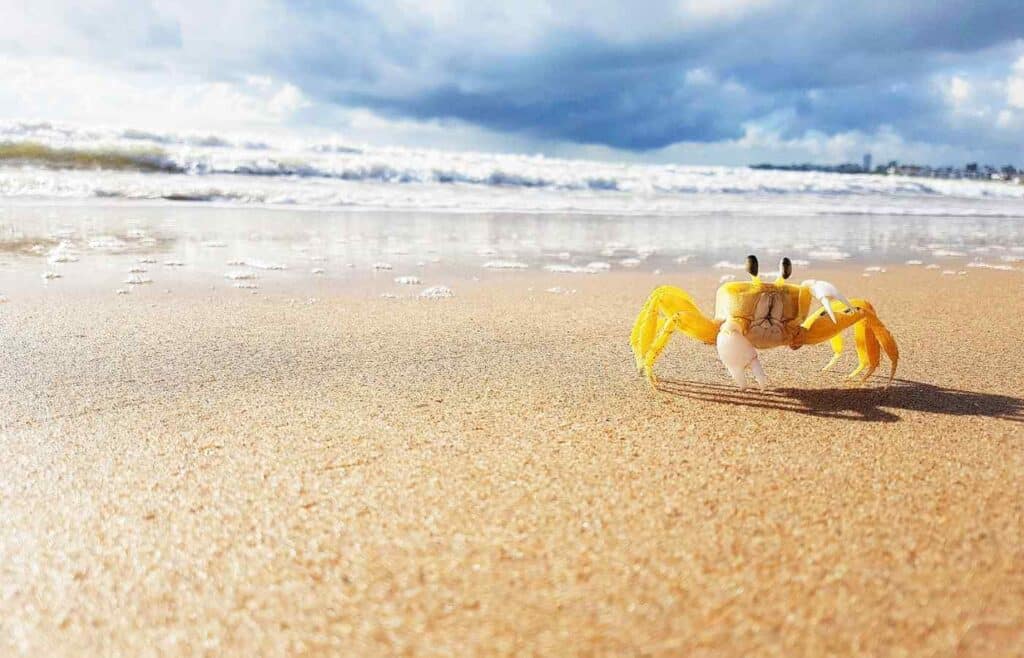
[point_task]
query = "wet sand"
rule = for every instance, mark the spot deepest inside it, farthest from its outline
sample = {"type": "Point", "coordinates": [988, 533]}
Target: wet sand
{"type": "Point", "coordinates": [214, 473]}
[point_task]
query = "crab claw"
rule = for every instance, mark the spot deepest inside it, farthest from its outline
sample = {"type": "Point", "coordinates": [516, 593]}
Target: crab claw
{"type": "Point", "coordinates": [825, 292]}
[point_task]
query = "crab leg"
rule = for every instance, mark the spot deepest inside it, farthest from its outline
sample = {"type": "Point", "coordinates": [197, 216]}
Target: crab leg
{"type": "Point", "coordinates": [837, 351]}
{"type": "Point", "coordinates": [667, 310]}
{"type": "Point", "coordinates": [682, 321]}
{"type": "Point", "coordinates": [870, 336]}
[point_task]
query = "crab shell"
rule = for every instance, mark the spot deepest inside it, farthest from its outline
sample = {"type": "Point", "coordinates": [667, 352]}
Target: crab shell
{"type": "Point", "coordinates": [768, 314]}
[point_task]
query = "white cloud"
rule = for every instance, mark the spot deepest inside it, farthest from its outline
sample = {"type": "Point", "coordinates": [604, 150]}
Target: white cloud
{"type": "Point", "coordinates": [959, 90]}
{"type": "Point", "coordinates": [270, 65]}
{"type": "Point", "coordinates": [699, 77]}
{"type": "Point", "coordinates": [288, 100]}
{"type": "Point", "coordinates": [1015, 85]}
{"type": "Point", "coordinates": [718, 10]}
{"type": "Point", "coordinates": [59, 88]}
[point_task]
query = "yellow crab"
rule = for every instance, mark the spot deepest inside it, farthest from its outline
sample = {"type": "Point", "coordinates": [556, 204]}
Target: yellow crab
{"type": "Point", "coordinates": [758, 315]}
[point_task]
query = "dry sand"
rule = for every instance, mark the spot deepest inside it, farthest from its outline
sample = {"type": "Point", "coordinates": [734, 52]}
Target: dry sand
{"type": "Point", "coordinates": [220, 474]}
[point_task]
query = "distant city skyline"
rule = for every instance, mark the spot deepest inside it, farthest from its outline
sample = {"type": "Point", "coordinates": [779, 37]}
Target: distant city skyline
{"type": "Point", "coordinates": [970, 170]}
{"type": "Point", "coordinates": [731, 82]}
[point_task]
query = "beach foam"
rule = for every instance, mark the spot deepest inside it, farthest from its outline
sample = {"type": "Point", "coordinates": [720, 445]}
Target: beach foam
{"type": "Point", "coordinates": [41, 160]}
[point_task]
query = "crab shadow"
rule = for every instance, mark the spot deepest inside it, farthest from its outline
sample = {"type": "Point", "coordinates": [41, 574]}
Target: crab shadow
{"type": "Point", "coordinates": [873, 404]}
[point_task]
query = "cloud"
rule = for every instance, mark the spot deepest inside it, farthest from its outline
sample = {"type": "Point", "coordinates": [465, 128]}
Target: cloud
{"type": "Point", "coordinates": [62, 88]}
{"type": "Point", "coordinates": [653, 78]}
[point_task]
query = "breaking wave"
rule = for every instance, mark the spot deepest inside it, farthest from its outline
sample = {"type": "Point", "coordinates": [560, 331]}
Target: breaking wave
{"type": "Point", "coordinates": [41, 155]}
{"type": "Point", "coordinates": [51, 161]}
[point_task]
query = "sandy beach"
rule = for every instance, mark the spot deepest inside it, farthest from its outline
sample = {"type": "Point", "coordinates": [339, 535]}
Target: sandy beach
{"type": "Point", "coordinates": [211, 473]}
{"type": "Point", "coordinates": [318, 319]}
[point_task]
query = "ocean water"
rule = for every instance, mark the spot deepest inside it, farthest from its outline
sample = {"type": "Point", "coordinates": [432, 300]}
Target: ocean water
{"type": "Point", "coordinates": [41, 160]}
{"type": "Point", "coordinates": [130, 211]}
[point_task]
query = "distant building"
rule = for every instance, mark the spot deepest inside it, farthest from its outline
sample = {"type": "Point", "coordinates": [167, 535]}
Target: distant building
{"type": "Point", "coordinates": [894, 168]}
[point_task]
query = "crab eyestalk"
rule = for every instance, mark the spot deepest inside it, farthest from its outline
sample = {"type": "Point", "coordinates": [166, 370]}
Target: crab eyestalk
{"type": "Point", "coordinates": [752, 267]}
{"type": "Point", "coordinates": [785, 269]}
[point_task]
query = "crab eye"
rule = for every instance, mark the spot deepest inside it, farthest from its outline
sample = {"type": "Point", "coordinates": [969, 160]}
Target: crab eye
{"type": "Point", "coordinates": [786, 268]}
{"type": "Point", "coordinates": [752, 265]}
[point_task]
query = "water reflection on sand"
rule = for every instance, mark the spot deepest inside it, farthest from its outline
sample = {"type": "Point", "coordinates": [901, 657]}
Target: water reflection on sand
{"type": "Point", "coordinates": [125, 247]}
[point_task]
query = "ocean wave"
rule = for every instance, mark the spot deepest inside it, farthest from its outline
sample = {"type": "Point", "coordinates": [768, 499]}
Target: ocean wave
{"type": "Point", "coordinates": [41, 159]}
{"type": "Point", "coordinates": [41, 155]}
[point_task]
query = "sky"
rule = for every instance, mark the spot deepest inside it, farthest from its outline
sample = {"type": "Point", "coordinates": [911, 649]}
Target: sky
{"type": "Point", "coordinates": [689, 81]}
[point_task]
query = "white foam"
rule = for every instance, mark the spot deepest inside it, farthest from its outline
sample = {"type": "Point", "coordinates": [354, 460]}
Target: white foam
{"type": "Point", "coordinates": [137, 280]}
{"type": "Point", "coordinates": [215, 244]}
{"type": "Point", "coordinates": [630, 262]}
{"type": "Point", "coordinates": [408, 280]}
{"type": "Point", "coordinates": [122, 291]}
{"type": "Point", "coordinates": [264, 265]}
{"type": "Point", "coordinates": [174, 263]}
{"type": "Point", "coordinates": [240, 275]}
{"type": "Point", "coordinates": [246, 285]}
{"type": "Point", "coordinates": [51, 275]}
{"type": "Point", "coordinates": [726, 277]}
{"type": "Point", "coordinates": [437, 292]}
{"type": "Point", "coordinates": [570, 269]}
{"type": "Point", "coordinates": [317, 270]}
{"type": "Point", "coordinates": [947, 253]}
{"type": "Point", "coordinates": [828, 254]}
{"type": "Point", "coordinates": [382, 266]}
{"type": "Point", "coordinates": [914, 262]}
{"type": "Point", "coordinates": [137, 270]}
{"type": "Point", "coordinates": [987, 266]}
{"type": "Point", "coordinates": [559, 290]}
{"type": "Point", "coordinates": [505, 265]}
{"type": "Point", "coordinates": [62, 253]}
{"type": "Point", "coordinates": [107, 243]}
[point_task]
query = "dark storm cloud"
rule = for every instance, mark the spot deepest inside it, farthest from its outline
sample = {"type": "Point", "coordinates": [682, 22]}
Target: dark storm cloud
{"type": "Point", "coordinates": [827, 67]}
{"type": "Point", "coordinates": [638, 75]}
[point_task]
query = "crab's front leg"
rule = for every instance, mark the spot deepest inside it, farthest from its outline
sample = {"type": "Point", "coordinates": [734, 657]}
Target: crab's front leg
{"type": "Point", "coordinates": [737, 354]}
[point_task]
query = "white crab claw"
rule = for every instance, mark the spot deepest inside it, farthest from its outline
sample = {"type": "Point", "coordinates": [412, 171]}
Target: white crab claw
{"type": "Point", "coordinates": [825, 292]}
{"type": "Point", "coordinates": [737, 354]}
